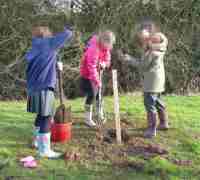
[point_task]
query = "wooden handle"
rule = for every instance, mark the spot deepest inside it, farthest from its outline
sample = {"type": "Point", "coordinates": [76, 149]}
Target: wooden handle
{"type": "Point", "coordinates": [116, 107]}
{"type": "Point", "coordinates": [100, 96]}
{"type": "Point", "coordinates": [100, 89]}
{"type": "Point", "coordinates": [60, 85]}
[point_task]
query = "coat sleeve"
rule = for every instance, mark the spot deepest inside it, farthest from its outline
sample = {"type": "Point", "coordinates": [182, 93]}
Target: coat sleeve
{"type": "Point", "coordinates": [92, 61]}
{"type": "Point", "coordinates": [59, 39]}
{"type": "Point", "coordinates": [132, 61]}
{"type": "Point", "coordinates": [163, 45]}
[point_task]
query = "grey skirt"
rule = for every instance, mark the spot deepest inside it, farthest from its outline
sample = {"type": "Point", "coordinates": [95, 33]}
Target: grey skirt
{"type": "Point", "coordinates": [42, 103]}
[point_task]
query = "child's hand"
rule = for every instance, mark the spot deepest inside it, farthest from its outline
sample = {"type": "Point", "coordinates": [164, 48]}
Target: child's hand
{"type": "Point", "coordinates": [103, 65]}
{"type": "Point", "coordinates": [60, 66]}
{"type": "Point", "coordinates": [68, 27]}
{"type": "Point", "coordinates": [155, 39]}
{"type": "Point", "coordinates": [145, 35]}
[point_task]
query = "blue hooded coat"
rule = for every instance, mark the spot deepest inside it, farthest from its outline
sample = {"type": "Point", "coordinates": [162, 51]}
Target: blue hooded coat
{"type": "Point", "coordinates": [41, 61]}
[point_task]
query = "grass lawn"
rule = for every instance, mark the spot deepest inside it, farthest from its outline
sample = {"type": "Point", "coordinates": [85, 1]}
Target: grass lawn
{"type": "Point", "coordinates": [101, 160]}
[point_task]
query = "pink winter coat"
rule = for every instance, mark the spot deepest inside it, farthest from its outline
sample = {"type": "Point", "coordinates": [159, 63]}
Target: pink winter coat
{"type": "Point", "coordinates": [92, 58]}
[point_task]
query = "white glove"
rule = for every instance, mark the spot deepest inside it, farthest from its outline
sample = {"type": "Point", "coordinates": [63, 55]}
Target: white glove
{"type": "Point", "coordinates": [60, 66]}
{"type": "Point", "coordinates": [103, 65]}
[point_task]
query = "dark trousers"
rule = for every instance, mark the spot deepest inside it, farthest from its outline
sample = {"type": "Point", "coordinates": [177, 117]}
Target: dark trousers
{"type": "Point", "coordinates": [87, 90]}
{"type": "Point", "coordinates": [153, 102]}
{"type": "Point", "coordinates": [43, 122]}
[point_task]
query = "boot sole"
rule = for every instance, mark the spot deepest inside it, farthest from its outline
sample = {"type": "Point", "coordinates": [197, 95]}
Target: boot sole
{"type": "Point", "coordinates": [162, 129]}
{"type": "Point", "coordinates": [46, 157]}
{"type": "Point", "coordinates": [149, 137]}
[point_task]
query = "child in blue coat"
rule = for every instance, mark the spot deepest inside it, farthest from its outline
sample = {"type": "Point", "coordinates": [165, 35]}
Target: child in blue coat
{"type": "Point", "coordinates": [41, 82]}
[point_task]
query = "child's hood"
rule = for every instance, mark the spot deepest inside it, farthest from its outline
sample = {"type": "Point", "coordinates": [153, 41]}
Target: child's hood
{"type": "Point", "coordinates": [37, 44]}
{"type": "Point", "coordinates": [93, 43]}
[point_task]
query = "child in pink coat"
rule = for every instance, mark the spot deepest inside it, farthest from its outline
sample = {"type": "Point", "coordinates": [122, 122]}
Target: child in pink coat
{"type": "Point", "coordinates": [97, 55]}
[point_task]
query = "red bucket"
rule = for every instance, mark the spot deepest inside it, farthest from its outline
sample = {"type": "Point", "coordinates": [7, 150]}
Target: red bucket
{"type": "Point", "coordinates": [61, 132]}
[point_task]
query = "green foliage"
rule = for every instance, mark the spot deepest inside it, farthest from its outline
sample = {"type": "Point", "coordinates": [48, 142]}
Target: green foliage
{"type": "Point", "coordinates": [4, 152]}
{"type": "Point", "coordinates": [178, 19]}
{"type": "Point", "coordinates": [160, 165]}
{"type": "Point", "coordinates": [192, 146]}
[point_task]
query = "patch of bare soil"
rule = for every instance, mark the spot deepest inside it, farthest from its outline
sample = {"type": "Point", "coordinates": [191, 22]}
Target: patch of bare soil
{"type": "Point", "coordinates": [100, 145]}
{"type": "Point", "coordinates": [148, 151]}
{"type": "Point", "coordinates": [110, 135]}
{"type": "Point", "coordinates": [138, 166]}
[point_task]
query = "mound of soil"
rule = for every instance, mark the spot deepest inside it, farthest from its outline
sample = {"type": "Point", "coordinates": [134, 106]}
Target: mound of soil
{"type": "Point", "coordinates": [100, 145]}
{"type": "Point", "coordinates": [110, 136]}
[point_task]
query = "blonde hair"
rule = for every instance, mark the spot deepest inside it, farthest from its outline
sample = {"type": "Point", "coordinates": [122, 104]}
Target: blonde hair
{"type": "Point", "coordinates": [41, 31]}
{"type": "Point", "coordinates": [107, 37]}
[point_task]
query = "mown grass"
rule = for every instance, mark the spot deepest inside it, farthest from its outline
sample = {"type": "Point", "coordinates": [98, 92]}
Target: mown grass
{"type": "Point", "coordinates": [182, 142]}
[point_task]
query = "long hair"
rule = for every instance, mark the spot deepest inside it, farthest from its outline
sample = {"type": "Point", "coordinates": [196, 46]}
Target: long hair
{"type": "Point", "coordinates": [107, 37]}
